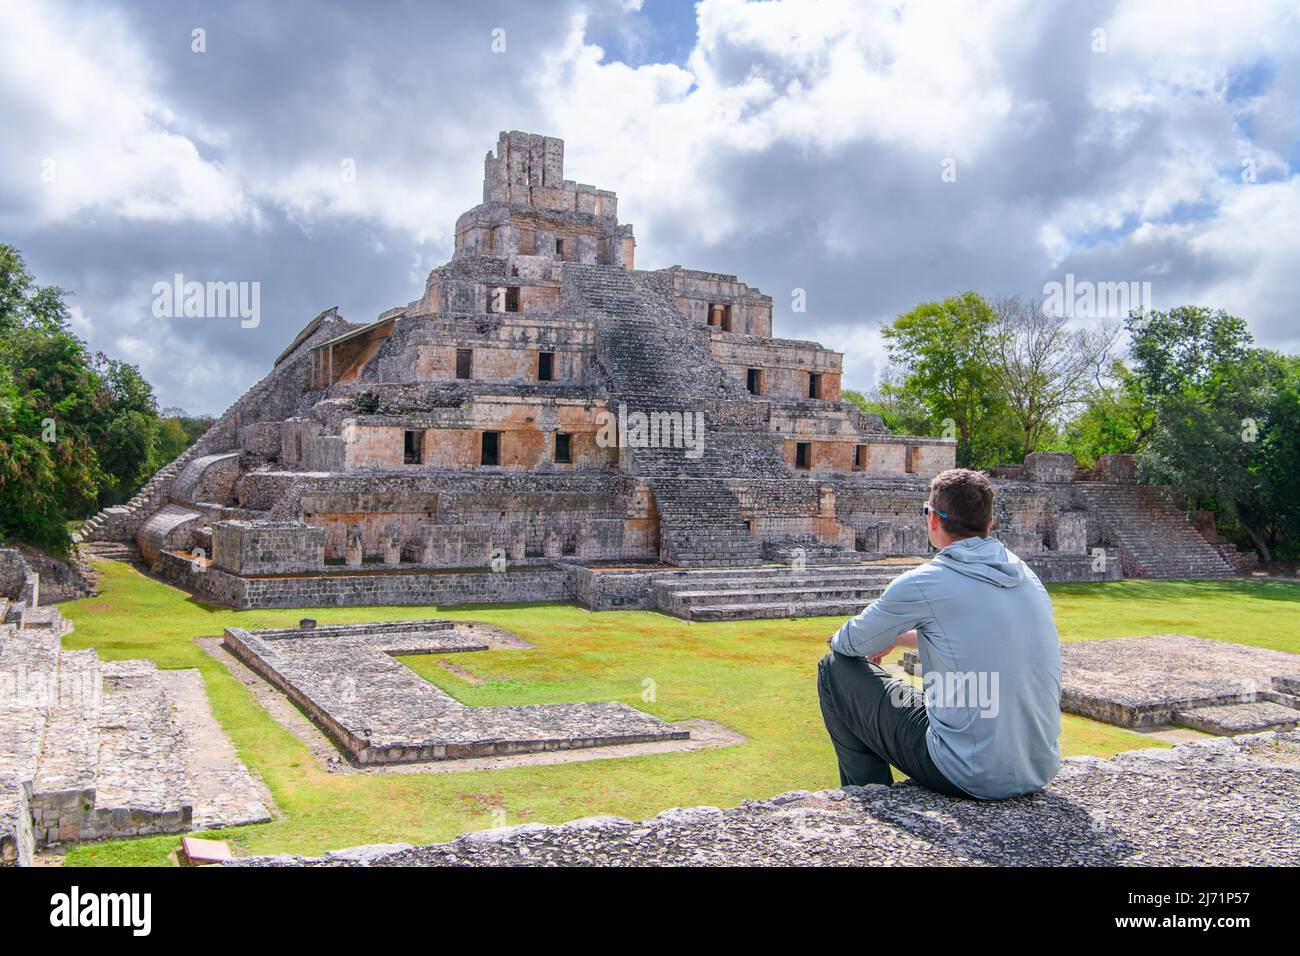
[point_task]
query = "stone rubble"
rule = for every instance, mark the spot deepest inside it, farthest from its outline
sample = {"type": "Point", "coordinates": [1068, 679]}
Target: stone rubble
{"type": "Point", "coordinates": [1228, 802]}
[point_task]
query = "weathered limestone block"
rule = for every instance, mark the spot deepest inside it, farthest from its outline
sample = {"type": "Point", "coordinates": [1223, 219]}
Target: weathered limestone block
{"type": "Point", "coordinates": [553, 548]}
{"type": "Point", "coordinates": [826, 501]}
{"type": "Point", "coordinates": [1049, 466]}
{"type": "Point", "coordinates": [355, 551]}
{"type": "Point", "coordinates": [1068, 532]}
{"type": "Point", "coordinates": [267, 547]}
{"type": "Point", "coordinates": [1020, 542]}
{"type": "Point", "coordinates": [392, 542]}
{"type": "Point", "coordinates": [1117, 468]}
{"type": "Point", "coordinates": [262, 438]}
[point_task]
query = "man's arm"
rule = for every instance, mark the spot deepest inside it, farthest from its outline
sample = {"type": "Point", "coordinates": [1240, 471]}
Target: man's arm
{"type": "Point", "coordinates": [890, 619]}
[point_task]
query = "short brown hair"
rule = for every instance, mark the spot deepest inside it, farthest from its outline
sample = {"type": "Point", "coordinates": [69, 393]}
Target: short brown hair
{"type": "Point", "coordinates": [967, 497]}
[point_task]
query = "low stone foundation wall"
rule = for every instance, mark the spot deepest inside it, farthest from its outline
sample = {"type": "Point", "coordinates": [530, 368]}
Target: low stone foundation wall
{"type": "Point", "coordinates": [364, 587]}
{"type": "Point", "coordinates": [1071, 568]}
{"type": "Point", "coordinates": [348, 678]}
{"type": "Point", "coordinates": [612, 589]}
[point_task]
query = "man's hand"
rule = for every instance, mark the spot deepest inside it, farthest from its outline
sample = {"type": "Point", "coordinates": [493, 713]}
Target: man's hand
{"type": "Point", "coordinates": [877, 658]}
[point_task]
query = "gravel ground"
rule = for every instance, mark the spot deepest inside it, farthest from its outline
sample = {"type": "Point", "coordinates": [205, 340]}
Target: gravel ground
{"type": "Point", "coordinates": [1224, 802]}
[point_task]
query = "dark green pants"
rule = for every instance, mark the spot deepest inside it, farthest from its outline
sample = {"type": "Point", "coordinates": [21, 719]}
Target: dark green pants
{"type": "Point", "coordinates": [876, 720]}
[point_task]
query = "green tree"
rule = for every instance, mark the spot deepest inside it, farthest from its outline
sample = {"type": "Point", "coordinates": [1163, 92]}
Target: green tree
{"type": "Point", "coordinates": [127, 437]}
{"type": "Point", "coordinates": [1045, 367]}
{"type": "Point", "coordinates": [945, 352]}
{"type": "Point", "coordinates": [1216, 399]}
{"type": "Point", "coordinates": [75, 431]}
{"type": "Point", "coordinates": [1279, 462]}
{"type": "Point", "coordinates": [1115, 419]}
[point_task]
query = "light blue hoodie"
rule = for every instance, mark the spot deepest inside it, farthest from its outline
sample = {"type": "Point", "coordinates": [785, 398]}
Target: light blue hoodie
{"type": "Point", "coordinates": [991, 661]}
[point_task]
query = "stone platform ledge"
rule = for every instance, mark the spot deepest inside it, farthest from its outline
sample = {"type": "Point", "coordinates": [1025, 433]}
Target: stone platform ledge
{"type": "Point", "coordinates": [1225, 802]}
{"type": "Point", "coordinates": [1143, 681]}
{"type": "Point", "coordinates": [347, 679]}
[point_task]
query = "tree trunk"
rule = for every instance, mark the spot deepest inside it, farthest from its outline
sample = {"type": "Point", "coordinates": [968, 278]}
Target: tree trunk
{"type": "Point", "coordinates": [1260, 544]}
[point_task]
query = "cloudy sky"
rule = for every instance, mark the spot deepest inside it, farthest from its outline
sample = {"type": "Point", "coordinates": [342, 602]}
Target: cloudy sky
{"type": "Point", "coordinates": [874, 155]}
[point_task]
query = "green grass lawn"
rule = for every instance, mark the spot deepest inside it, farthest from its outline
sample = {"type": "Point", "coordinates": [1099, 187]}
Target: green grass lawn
{"type": "Point", "coordinates": [754, 677]}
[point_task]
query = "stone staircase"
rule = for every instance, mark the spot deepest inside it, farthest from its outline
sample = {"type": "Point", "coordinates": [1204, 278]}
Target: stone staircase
{"type": "Point", "coordinates": [655, 362]}
{"type": "Point", "coordinates": [125, 551]}
{"type": "Point", "coordinates": [700, 524]}
{"type": "Point", "coordinates": [120, 522]}
{"type": "Point", "coordinates": [773, 591]}
{"type": "Point", "coordinates": [1154, 538]}
{"type": "Point", "coordinates": [1282, 712]}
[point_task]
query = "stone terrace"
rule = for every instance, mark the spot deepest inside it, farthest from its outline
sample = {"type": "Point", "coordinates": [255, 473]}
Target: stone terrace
{"type": "Point", "coordinates": [94, 749]}
{"type": "Point", "coordinates": [1228, 802]}
{"type": "Point", "coordinates": [1213, 686]}
{"type": "Point", "coordinates": [383, 712]}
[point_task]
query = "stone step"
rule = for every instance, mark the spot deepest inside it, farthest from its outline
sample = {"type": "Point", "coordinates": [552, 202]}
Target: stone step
{"type": "Point", "coordinates": [1228, 720]}
{"type": "Point", "coordinates": [223, 792]}
{"type": "Point", "coordinates": [70, 748]}
{"type": "Point", "coordinates": [63, 792]}
{"type": "Point", "coordinates": [1154, 537]}
{"type": "Point", "coordinates": [29, 659]}
{"type": "Point", "coordinates": [750, 612]}
{"type": "Point", "coordinates": [698, 599]}
{"type": "Point", "coordinates": [773, 591]}
{"type": "Point", "coordinates": [766, 575]}
{"type": "Point", "coordinates": [141, 785]}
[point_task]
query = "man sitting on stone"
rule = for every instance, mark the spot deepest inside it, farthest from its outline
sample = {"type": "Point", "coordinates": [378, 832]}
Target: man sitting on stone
{"type": "Point", "coordinates": [987, 723]}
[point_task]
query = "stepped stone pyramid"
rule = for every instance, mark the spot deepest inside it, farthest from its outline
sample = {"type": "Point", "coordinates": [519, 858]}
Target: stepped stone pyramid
{"type": "Point", "coordinates": [595, 430]}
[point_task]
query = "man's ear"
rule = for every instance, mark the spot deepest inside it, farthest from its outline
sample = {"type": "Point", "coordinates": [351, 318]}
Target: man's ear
{"type": "Point", "coordinates": [991, 524]}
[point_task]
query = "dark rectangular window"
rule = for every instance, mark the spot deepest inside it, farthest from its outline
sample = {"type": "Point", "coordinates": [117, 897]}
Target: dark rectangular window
{"type": "Point", "coordinates": [563, 449]}
{"type": "Point", "coordinates": [911, 458]}
{"type": "Point", "coordinates": [512, 298]}
{"type": "Point", "coordinates": [860, 458]}
{"type": "Point", "coordinates": [464, 363]}
{"type": "Point", "coordinates": [545, 366]}
{"type": "Point", "coordinates": [491, 448]}
{"type": "Point", "coordinates": [413, 448]}
{"type": "Point", "coordinates": [754, 381]}
{"type": "Point", "coordinates": [803, 455]}
{"type": "Point", "coordinates": [559, 248]}
{"type": "Point", "coordinates": [814, 385]}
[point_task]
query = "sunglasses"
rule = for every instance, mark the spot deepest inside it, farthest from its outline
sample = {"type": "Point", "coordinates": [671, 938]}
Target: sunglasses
{"type": "Point", "coordinates": [926, 509]}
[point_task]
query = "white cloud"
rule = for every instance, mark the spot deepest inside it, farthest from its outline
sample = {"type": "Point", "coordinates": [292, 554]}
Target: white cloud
{"type": "Point", "coordinates": [107, 145]}
{"type": "Point", "coordinates": [800, 143]}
